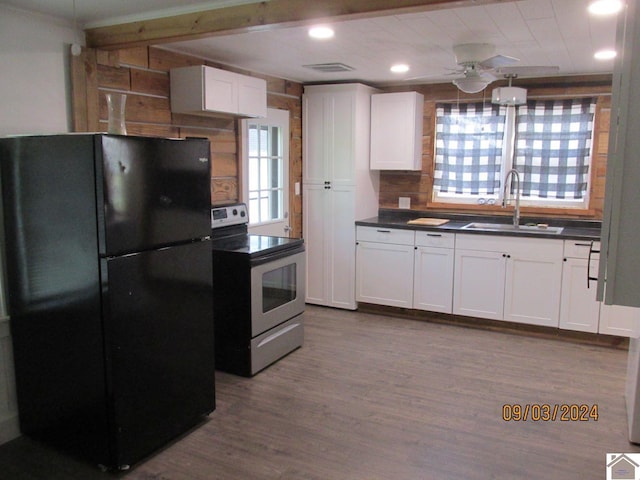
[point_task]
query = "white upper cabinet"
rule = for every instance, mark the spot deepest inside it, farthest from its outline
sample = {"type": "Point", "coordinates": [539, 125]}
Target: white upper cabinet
{"type": "Point", "coordinates": [202, 90]}
{"type": "Point", "coordinates": [396, 131]}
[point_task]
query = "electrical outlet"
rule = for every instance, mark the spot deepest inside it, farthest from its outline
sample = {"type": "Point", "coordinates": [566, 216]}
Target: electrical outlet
{"type": "Point", "coordinates": [404, 202]}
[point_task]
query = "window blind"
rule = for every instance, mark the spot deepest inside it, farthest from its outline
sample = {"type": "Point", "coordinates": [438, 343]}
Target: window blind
{"type": "Point", "coordinates": [468, 155]}
{"type": "Point", "coordinates": [553, 147]}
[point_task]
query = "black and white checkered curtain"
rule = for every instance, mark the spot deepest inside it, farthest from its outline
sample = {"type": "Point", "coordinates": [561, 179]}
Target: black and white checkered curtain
{"type": "Point", "coordinates": [553, 147]}
{"type": "Point", "coordinates": [468, 148]}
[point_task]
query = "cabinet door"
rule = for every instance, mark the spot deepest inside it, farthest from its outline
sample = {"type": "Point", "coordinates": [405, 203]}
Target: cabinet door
{"type": "Point", "coordinates": [342, 123]}
{"type": "Point", "coordinates": [619, 320]}
{"type": "Point", "coordinates": [384, 274]}
{"type": "Point", "coordinates": [316, 243]}
{"type": "Point", "coordinates": [579, 309]}
{"type": "Point", "coordinates": [433, 279]}
{"type": "Point", "coordinates": [252, 96]}
{"type": "Point", "coordinates": [396, 131]}
{"type": "Point", "coordinates": [220, 91]}
{"type": "Point", "coordinates": [341, 231]}
{"type": "Point", "coordinates": [316, 143]}
{"type": "Point", "coordinates": [532, 291]}
{"type": "Point", "coordinates": [479, 284]}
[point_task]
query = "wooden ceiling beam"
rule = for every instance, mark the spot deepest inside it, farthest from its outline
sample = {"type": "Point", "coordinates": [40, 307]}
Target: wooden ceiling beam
{"type": "Point", "coordinates": [256, 16]}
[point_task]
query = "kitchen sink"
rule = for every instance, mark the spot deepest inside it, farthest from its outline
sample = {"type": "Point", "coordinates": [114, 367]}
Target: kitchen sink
{"type": "Point", "coordinates": [507, 227]}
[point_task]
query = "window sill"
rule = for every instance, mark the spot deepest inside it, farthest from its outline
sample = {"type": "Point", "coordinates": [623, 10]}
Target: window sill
{"type": "Point", "coordinates": [524, 210]}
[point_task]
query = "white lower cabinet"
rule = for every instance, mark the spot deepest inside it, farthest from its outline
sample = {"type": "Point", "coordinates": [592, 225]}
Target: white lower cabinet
{"type": "Point", "coordinates": [579, 309]}
{"type": "Point", "coordinates": [618, 320]}
{"type": "Point", "coordinates": [535, 281]}
{"type": "Point", "coordinates": [433, 272]}
{"type": "Point", "coordinates": [384, 266]}
{"type": "Point", "coordinates": [507, 278]}
{"type": "Point", "coordinates": [478, 287]}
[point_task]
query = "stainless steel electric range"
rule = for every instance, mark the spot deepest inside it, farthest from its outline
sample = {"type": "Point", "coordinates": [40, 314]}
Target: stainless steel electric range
{"type": "Point", "coordinates": [258, 298]}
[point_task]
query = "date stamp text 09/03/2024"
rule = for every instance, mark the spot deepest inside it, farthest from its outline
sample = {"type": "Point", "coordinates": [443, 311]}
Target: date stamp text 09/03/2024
{"type": "Point", "coordinates": [544, 412]}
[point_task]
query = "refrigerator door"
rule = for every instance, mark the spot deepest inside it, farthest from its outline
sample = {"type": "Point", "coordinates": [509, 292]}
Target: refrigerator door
{"type": "Point", "coordinates": [154, 192]}
{"type": "Point", "coordinates": [160, 346]}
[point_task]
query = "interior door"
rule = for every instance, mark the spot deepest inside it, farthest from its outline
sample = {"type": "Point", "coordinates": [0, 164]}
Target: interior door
{"type": "Point", "coordinates": [266, 173]}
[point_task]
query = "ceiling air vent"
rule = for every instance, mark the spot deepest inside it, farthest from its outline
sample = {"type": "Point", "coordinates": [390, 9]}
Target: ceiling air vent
{"type": "Point", "coordinates": [330, 67]}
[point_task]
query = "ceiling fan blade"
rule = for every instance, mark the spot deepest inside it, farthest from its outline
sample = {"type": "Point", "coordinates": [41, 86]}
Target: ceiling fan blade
{"type": "Point", "coordinates": [528, 70]}
{"type": "Point", "coordinates": [498, 61]}
{"type": "Point", "coordinates": [488, 76]}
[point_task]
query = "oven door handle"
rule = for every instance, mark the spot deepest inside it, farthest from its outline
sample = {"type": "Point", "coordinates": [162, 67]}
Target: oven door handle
{"type": "Point", "coordinates": [278, 254]}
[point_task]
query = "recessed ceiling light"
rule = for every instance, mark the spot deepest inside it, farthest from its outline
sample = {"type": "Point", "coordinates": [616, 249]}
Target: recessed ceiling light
{"type": "Point", "coordinates": [605, 55]}
{"type": "Point", "coordinates": [605, 7]}
{"type": "Point", "coordinates": [321, 32]}
{"type": "Point", "coordinates": [400, 68]}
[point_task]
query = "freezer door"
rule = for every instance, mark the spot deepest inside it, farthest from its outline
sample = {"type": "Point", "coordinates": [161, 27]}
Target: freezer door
{"type": "Point", "coordinates": [151, 192]}
{"type": "Point", "coordinates": [160, 346]}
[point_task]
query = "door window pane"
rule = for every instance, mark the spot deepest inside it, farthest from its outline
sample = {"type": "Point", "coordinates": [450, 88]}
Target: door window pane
{"type": "Point", "coordinates": [266, 178]}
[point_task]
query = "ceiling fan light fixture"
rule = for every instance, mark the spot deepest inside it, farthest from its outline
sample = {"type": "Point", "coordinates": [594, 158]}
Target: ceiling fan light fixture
{"type": "Point", "coordinates": [473, 84]}
{"type": "Point", "coordinates": [509, 96]}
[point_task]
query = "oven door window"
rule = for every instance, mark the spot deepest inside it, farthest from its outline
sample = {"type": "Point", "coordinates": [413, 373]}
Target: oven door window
{"type": "Point", "coordinates": [278, 287]}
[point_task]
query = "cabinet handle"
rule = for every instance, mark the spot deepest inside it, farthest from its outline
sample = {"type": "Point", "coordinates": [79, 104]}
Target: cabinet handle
{"type": "Point", "coordinates": [584, 244]}
{"type": "Point", "coordinates": [383, 231]}
{"type": "Point", "coordinates": [434, 234]}
{"type": "Point", "coordinates": [589, 277]}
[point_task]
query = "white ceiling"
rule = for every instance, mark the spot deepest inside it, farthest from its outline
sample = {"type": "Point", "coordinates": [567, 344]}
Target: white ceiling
{"type": "Point", "coordinates": [538, 32]}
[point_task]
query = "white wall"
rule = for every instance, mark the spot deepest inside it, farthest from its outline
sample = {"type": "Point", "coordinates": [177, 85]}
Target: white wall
{"type": "Point", "coordinates": [34, 84]}
{"type": "Point", "coordinates": [34, 98]}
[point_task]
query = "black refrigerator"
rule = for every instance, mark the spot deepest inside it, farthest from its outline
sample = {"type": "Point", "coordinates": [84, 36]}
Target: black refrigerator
{"type": "Point", "coordinates": [109, 279]}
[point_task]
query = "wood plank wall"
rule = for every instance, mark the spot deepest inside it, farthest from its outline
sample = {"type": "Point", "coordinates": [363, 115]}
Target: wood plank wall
{"type": "Point", "coordinates": [418, 186]}
{"type": "Point", "coordinates": [143, 74]}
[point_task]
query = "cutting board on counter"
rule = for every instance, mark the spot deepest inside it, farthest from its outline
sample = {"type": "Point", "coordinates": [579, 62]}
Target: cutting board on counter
{"type": "Point", "coordinates": [432, 222]}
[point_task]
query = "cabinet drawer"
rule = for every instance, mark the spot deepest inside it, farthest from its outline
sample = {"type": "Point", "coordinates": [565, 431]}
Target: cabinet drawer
{"type": "Point", "coordinates": [385, 235]}
{"type": "Point", "coordinates": [435, 239]}
{"type": "Point", "coordinates": [579, 248]}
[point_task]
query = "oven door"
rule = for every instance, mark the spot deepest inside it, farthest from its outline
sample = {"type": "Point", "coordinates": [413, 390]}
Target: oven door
{"type": "Point", "coordinates": [277, 291]}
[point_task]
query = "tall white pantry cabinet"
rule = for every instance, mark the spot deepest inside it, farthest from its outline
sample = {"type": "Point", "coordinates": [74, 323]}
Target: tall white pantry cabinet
{"type": "Point", "coordinates": [338, 187]}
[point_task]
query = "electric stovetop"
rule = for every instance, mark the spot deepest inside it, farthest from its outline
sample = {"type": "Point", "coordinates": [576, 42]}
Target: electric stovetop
{"type": "Point", "coordinates": [254, 245]}
{"type": "Point", "coordinates": [229, 233]}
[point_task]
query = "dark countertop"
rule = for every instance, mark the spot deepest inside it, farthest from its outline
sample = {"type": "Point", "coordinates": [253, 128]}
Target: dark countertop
{"type": "Point", "coordinates": [572, 229]}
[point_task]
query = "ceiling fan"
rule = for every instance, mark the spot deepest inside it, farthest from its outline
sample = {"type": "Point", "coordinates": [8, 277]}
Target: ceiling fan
{"type": "Point", "coordinates": [479, 66]}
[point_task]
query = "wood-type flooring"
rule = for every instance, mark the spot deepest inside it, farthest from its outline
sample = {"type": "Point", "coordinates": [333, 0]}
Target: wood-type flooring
{"type": "Point", "coordinates": [375, 397]}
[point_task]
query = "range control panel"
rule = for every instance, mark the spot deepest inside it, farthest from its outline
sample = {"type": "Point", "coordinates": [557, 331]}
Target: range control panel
{"type": "Point", "coordinates": [230, 215]}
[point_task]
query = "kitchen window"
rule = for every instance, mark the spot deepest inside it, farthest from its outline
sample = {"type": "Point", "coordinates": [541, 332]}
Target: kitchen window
{"type": "Point", "coordinates": [549, 142]}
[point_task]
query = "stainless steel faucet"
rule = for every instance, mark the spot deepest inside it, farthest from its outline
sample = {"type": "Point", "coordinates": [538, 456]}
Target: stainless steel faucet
{"type": "Point", "coordinates": [516, 212]}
